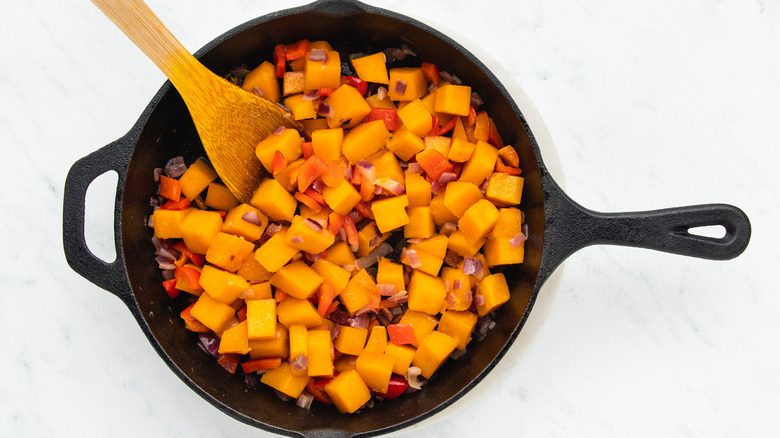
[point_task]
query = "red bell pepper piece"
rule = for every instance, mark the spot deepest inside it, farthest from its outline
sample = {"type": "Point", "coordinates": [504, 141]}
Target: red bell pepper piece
{"type": "Point", "coordinates": [335, 222]}
{"type": "Point", "coordinates": [352, 233]}
{"type": "Point", "coordinates": [326, 294]}
{"type": "Point", "coordinates": [308, 201]}
{"type": "Point", "coordinates": [387, 115]}
{"type": "Point", "coordinates": [253, 366]}
{"type": "Point", "coordinates": [364, 208]}
{"type": "Point", "coordinates": [280, 57]}
{"type": "Point", "coordinates": [503, 168]}
{"type": "Point", "coordinates": [494, 137]}
{"type": "Point", "coordinates": [397, 386]}
{"type": "Point", "coordinates": [297, 50]}
{"type": "Point", "coordinates": [182, 204]}
{"type": "Point", "coordinates": [191, 323]}
{"type": "Point", "coordinates": [312, 168]}
{"type": "Point", "coordinates": [472, 117]}
{"type": "Point", "coordinates": [317, 196]}
{"type": "Point", "coordinates": [401, 334]}
{"type": "Point", "coordinates": [279, 163]}
{"type": "Point", "coordinates": [170, 288]}
{"type": "Point", "coordinates": [189, 276]}
{"type": "Point", "coordinates": [441, 130]}
{"type": "Point", "coordinates": [434, 163]}
{"type": "Point", "coordinates": [509, 155]}
{"type": "Point", "coordinates": [170, 188]}
{"type": "Point", "coordinates": [308, 149]}
{"type": "Point", "coordinates": [196, 259]}
{"type": "Point", "coordinates": [316, 388]}
{"type": "Point", "coordinates": [229, 361]}
{"type": "Point", "coordinates": [325, 91]}
{"type": "Point", "coordinates": [360, 84]}
{"type": "Point", "coordinates": [431, 72]}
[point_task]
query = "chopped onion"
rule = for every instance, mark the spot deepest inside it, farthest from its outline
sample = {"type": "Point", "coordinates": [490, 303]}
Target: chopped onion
{"type": "Point", "coordinates": [367, 169]}
{"type": "Point", "coordinates": [339, 316]}
{"type": "Point", "coordinates": [252, 217]}
{"type": "Point", "coordinates": [364, 311]}
{"type": "Point", "coordinates": [296, 239]}
{"type": "Point", "coordinates": [305, 400]}
{"type": "Point", "coordinates": [452, 300]}
{"type": "Point", "coordinates": [299, 363]}
{"type": "Point", "coordinates": [452, 259]}
{"type": "Point", "coordinates": [414, 258]}
{"type": "Point", "coordinates": [239, 72]}
{"type": "Point", "coordinates": [476, 101]}
{"type": "Point", "coordinates": [381, 93]}
{"type": "Point", "coordinates": [398, 54]}
{"type": "Point", "coordinates": [447, 177]}
{"type": "Point", "coordinates": [415, 168]}
{"type": "Point", "coordinates": [448, 228]}
{"type": "Point", "coordinates": [457, 354]}
{"type": "Point", "coordinates": [456, 284]}
{"type": "Point", "coordinates": [391, 185]}
{"type": "Point", "coordinates": [175, 167]}
{"type": "Point", "coordinates": [157, 173]}
{"type": "Point", "coordinates": [436, 187]}
{"type": "Point", "coordinates": [412, 375]}
{"type": "Point", "coordinates": [318, 55]}
{"type": "Point", "coordinates": [318, 185]}
{"type": "Point", "coordinates": [308, 97]}
{"type": "Point", "coordinates": [399, 297]}
{"type": "Point", "coordinates": [479, 300]}
{"type": "Point", "coordinates": [324, 110]}
{"type": "Point", "coordinates": [479, 269]}
{"type": "Point", "coordinates": [384, 316]}
{"type": "Point", "coordinates": [166, 265]}
{"type": "Point", "coordinates": [313, 224]}
{"type": "Point", "coordinates": [279, 130]}
{"type": "Point", "coordinates": [258, 92]}
{"type": "Point", "coordinates": [408, 50]}
{"type": "Point", "coordinates": [484, 325]}
{"type": "Point", "coordinates": [373, 257]}
{"type": "Point", "coordinates": [400, 86]}
{"type": "Point", "coordinates": [385, 289]}
{"type": "Point", "coordinates": [342, 234]}
{"type": "Point", "coordinates": [210, 342]}
{"type": "Point", "coordinates": [469, 265]}
{"type": "Point", "coordinates": [517, 240]}
{"type": "Point", "coordinates": [358, 321]}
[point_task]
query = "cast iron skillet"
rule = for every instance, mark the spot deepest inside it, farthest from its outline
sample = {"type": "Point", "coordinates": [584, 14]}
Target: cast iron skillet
{"type": "Point", "coordinates": [558, 226]}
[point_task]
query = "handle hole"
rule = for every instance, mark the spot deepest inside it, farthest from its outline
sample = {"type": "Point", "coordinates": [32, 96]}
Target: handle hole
{"type": "Point", "coordinates": [713, 231]}
{"type": "Point", "coordinates": [99, 205]}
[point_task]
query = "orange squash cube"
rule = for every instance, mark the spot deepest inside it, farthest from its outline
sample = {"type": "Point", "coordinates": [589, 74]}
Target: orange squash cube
{"type": "Point", "coordinates": [199, 228]}
{"type": "Point", "coordinates": [299, 345]}
{"type": "Point", "coordinates": [348, 391]}
{"type": "Point", "coordinates": [293, 82]}
{"type": "Point", "coordinates": [303, 235]}
{"type": "Point", "coordinates": [426, 293]}
{"type": "Point", "coordinates": [263, 77]}
{"type": "Point", "coordinates": [342, 198]}
{"type": "Point", "coordinates": [288, 143]}
{"type": "Point", "coordinates": [421, 225]}
{"type": "Point", "coordinates": [478, 220]}
{"type": "Point", "coordinates": [167, 223]}
{"type": "Point", "coordinates": [326, 143]}
{"type": "Point", "coordinates": [283, 380]}
{"type": "Point", "coordinates": [369, 238]}
{"type": "Point", "coordinates": [259, 291]}
{"type": "Point", "coordinates": [196, 178]}
{"type": "Point", "coordinates": [416, 117]}
{"type": "Point", "coordinates": [458, 298]}
{"type": "Point", "coordinates": [435, 245]}
{"type": "Point", "coordinates": [327, 74]}
{"type": "Point", "coordinates": [390, 213]}
{"type": "Point", "coordinates": [418, 189]}
{"type": "Point", "coordinates": [461, 150]}
{"type": "Point", "coordinates": [277, 346]}
{"type": "Point", "coordinates": [297, 279]}
{"type": "Point", "coordinates": [221, 285]}
{"type": "Point", "coordinates": [348, 105]}
{"type": "Point", "coordinates": [463, 246]}
{"type": "Point", "coordinates": [320, 353]}
{"type": "Point", "coordinates": [375, 369]}
{"type": "Point", "coordinates": [500, 251]}
{"type": "Point", "coordinates": [228, 251]}
{"type": "Point", "coordinates": [434, 349]}
{"type": "Point", "coordinates": [504, 189]}
{"type": "Point", "coordinates": [213, 314]}
{"type": "Point", "coordinates": [481, 163]}
{"type": "Point", "coordinates": [429, 263]}
{"type": "Point", "coordinates": [402, 357]}
{"type": "Point", "coordinates": [293, 311]}
{"type": "Point", "coordinates": [459, 196]}
{"type": "Point", "coordinates": [453, 99]}
{"type": "Point", "coordinates": [275, 252]}
{"type": "Point", "coordinates": [405, 144]}
{"type": "Point", "coordinates": [372, 68]}
{"type": "Point", "coordinates": [407, 84]}
{"type": "Point", "coordinates": [389, 272]}
{"type": "Point", "coordinates": [300, 108]}
{"type": "Point", "coordinates": [386, 165]}
{"type": "Point", "coordinates": [496, 292]}
{"type": "Point", "coordinates": [234, 340]}
{"type": "Point", "coordinates": [358, 292]}
{"type": "Point", "coordinates": [509, 224]}
{"type": "Point", "coordinates": [251, 270]}
{"type": "Point", "coordinates": [441, 214]}
{"type": "Point", "coordinates": [377, 340]}
{"type": "Point", "coordinates": [220, 197]}
{"type": "Point", "coordinates": [261, 319]}
{"type": "Point", "coordinates": [364, 140]}
{"type": "Point", "coordinates": [274, 201]}
{"type": "Point", "coordinates": [340, 254]}
{"type": "Point", "coordinates": [439, 143]}
{"type": "Point", "coordinates": [351, 340]}
{"type": "Point", "coordinates": [459, 325]}
{"type": "Point", "coordinates": [236, 224]}
{"type": "Point", "coordinates": [421, 322]}
{"type": "Point", "coordinates": [333, 274]}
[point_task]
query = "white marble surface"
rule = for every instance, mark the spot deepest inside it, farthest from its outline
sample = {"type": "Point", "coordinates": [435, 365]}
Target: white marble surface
{"type": "Point", "coordinates": [650, 104]}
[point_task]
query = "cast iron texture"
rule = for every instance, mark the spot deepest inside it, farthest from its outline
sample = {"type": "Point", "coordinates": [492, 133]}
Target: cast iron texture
{"type": "Point", "coordinates": [557, 225]}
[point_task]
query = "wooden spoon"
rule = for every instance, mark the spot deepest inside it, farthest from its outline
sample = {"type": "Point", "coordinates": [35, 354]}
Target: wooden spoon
{"type": "Point", "coordinates": [230, 121]}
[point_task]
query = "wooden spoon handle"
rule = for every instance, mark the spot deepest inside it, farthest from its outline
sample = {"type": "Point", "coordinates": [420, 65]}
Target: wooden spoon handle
{"type": "Point", "coordinates": [141, 25]}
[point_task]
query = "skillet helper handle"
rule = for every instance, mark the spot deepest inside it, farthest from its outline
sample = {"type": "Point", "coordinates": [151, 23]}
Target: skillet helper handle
{"type": "Point", "coordinates": [572, 227]}
{"type": "Point", "coordinates": [108, 275]}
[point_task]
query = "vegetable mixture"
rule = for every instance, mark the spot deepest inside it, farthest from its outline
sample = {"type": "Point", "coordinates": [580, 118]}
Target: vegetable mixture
{"type": "Point", "coordinates": [363, 261]}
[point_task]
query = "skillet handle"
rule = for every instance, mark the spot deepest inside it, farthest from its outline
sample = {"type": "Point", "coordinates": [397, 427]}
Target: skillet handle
{"type": "Point", "coordinates": [110, 276]}
{"type": "Point", "coordinates": [570, 227]}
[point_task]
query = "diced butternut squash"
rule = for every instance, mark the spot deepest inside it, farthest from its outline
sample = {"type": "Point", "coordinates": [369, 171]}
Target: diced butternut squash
{"type": "Point", "coordinates": [478, 220]}
{"type": "Point", "coordinates": [416, 117]}
{"type": "Point", "coordinates": [320, 353]}
{"type": "Point", "coordinates": [341, 198]}
{"type": "Point", "coordinates": [228, 251]}
{"type": "Point", "coordinates": [299, 345]}
{"type": "Point", "coordinates": [358, 292]}
{"type": "Point", "coordinates": [263, 77]}
{"type": "Point", "coordinates": [275, 252]}
{"type": "Point", "coordinates": [293, 82]}
{"type": "Point", "coordinates": [277, 346]}
{"type": "Point", "coordinates": [344, 363]}
{"type": "Point", "coordinates": [418, 190]}
{"type": "Point", "coordinates": [389, 272]}
{"type": "Point", "coordinates": [351, 340]}
{"type": "Point", "coordinates": [504, 189]}
{"type": "Point", "coordinates": [348, 107]}
{"type": "Point", "coordinates": [296, 311]}
{"type": "Point", "coordinates": [259, 291]}
{"type": "Point", "coordinates": [422, 323]}
{"type": "Point", "coordinates": [434, 349]}
{"type": "Point", "coordinates": [464, 247]}
{"type": "Point", "coordinates": [331, 273]}
{"type": "Point", "coordinates": [496, 292]}
{"type": "Point", "coordinates": [297, 279]}
{"type": "Point", "coordinates": [167, 223]}
{"type": "Point", "coordinates": [221, 285]}
{"type": "Point", "coordinates": [305, 235]}
{"type": "Point", "coordinates": [283, 177]}
{"type": "Point", "coordinates": [323, 74]}
{"type": "Point", "coordinates": [213, 314]}
{"type": "Point", "coordinates": [196, 178]}
{"type": "Point", "coordinates": [425, 261]}
{"type": "Point", "coordinates": [459, 196]}
{"type": "Point", "coordinates": [327, 143]}
{"type": "Point", "coordinates": [386, 166]}
{"type": "Point", "coordinates": [364, 140]}
{"type": "Point", "coordinates": [407, 84]}
{"type": "Point", "coordinates": [481, 163]}
{"type": "Point", "coordinates": [261, 319]}
{"type": "Point", "coordinates": [300, 107]}
{"type": "Point", "coordinates": [453, 99]}
{"type": "Point", "coordinates": [509, 224]}
{"type": "Point", "coordinates": [340, 254]}
{"type": "Point", "coordinates": [402, 357]}
{"type": "Point", "coordinates": [420, 224]}
{"type": "Point", "coordinates": [288, 143]}
{"type": "Point", "coordinates": [461, 150]}
{"type": "Point", "coordinates": [459, 325]}
{"type": "Point", "coordinates": [234, 340]}
{"type": "Point", "coordinates": [405, 144]}
{"type": "Point", "coordinates": [283, 380]}
{"type": "Point", "coordinates": [375, 369]}
{"type": "Point", "coordinates": [348, 391]}
{"type": "Point", "coordinates": [199, 228]}
{"type": "Point", "coordinates": [458, 286]}
{"type": "Point", "coordinates": [377, 339]}
{"type": "Point", "coordinates": [500, 251]}
{"type": "Point", "coordinates": [372, 68]}
{"type": "Point", "coordinates": [426, 293]}
{"type": "Point", "coordinates": [236, 222]}
{"type": "Point", "coordinates": [369, 238]}
{"type": "Point", "coordinates": [390, 213]}
{"type": "Point", "coordinates": [435, 245]}
{"type": "Point", "coordinates": [274, 201]}
{"type": "Point", "coordinates": [220, 197]}
{"type": "Point", "coordinates": [441, 214]}
{"type": "Point", "coordinates": [251, 270]}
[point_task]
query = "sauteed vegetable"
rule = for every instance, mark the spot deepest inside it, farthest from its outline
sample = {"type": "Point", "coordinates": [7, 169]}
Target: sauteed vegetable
{"type": "Point", "coordinates": [370, 254]}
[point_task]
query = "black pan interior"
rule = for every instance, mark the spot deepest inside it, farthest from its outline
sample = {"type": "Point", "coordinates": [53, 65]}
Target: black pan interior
{"type": "Point", "coordinates": [169, 132]}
